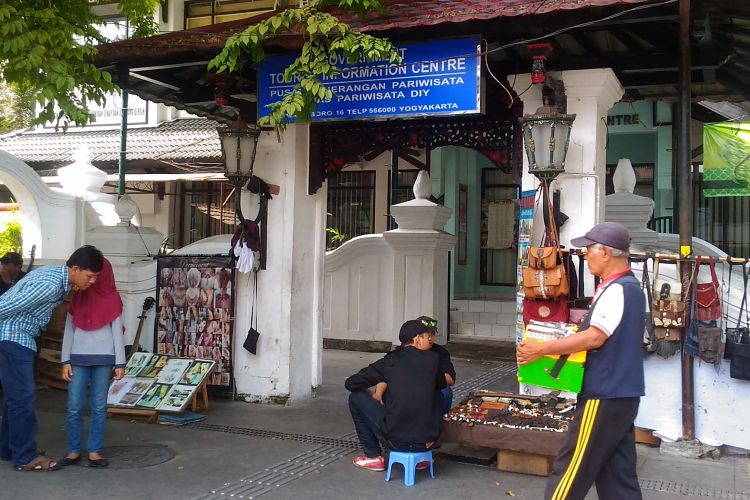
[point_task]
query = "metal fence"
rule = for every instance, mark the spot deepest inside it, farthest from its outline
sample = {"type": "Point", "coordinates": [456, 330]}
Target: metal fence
{"type": "Point", "coordinates": [724, 221]}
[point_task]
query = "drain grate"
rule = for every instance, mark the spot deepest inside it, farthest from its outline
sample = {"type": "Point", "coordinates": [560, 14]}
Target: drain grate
{"type": "Point", "coordinates": [137, 456]}
{"type": "Point", "coordinates": [286, 436]}
{"type": "Point", "coordinates": [691, 490]}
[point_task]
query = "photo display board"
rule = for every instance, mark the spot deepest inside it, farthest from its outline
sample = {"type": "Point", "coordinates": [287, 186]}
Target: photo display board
{"type": "Point", "coordinates": [159, 382]}
{"type": "Point", "coordinates": [195, 313]}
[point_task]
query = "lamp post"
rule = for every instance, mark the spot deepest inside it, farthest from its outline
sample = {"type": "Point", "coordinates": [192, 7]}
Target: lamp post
{"type": "Point", "coordinates": [238, 145]}
{"type": "Point", "coordinates": [546, 137]}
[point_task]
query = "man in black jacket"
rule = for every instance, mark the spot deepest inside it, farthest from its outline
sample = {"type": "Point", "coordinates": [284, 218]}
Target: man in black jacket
{"type": "Point", "coordinates": [409, 417]}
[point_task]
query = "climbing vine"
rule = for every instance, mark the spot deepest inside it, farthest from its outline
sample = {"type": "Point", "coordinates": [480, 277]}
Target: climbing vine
{"type": "Point", "coordinates": [324, 34]}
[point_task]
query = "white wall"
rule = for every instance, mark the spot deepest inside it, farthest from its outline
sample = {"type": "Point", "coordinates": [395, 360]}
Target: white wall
{"type": "Point", "coordinates": [48, 216]}
{"type": "Point", "coordinates": [359, 291]}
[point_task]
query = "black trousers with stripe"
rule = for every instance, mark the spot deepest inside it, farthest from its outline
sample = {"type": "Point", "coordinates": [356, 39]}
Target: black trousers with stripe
{"type": "Point", "coordinates": [599, 449]}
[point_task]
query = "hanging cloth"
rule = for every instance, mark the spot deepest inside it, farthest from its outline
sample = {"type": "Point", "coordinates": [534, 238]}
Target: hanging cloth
{"type": "Point", "coordinates": [245, 245]}
{"type": "Point", "coordinates": [501, 219]}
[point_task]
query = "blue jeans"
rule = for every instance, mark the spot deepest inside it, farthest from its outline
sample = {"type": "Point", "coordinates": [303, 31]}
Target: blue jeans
{"type": "Point", "coordinates": [447, 394]}
{"type": "Point", "coordinates": [19, 427]}
{"type": "Point", "coordinates": [367, 415]}
{"type": "Point", "coordinates": [98, 378]}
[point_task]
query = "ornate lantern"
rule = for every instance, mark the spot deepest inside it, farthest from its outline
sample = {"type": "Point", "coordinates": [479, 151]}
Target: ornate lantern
{"type": "Point", "coordinates": [238, 145]}
{"type": "Point", "coordinates": [546, 138]}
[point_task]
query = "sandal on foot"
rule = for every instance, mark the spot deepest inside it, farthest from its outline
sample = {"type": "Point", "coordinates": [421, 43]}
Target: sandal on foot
{"type": "Point", "coordinates": [65, 461]}
{"type": "Point", "coordinates": [39, 464]}
{"type": "Point", "coordinates": [98, 462]}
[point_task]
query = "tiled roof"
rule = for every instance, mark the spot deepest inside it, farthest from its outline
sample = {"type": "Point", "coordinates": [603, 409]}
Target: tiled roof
{"type": "Point", "coordinates": [183, 139]}
{"type": "Point", "coordinates": [399, 14]}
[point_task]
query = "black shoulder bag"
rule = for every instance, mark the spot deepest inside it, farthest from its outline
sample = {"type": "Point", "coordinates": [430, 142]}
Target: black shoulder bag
{"type": "Point", "coordinates": [251, 341]}
{"type": "Point", "coordinates": [739, 356]}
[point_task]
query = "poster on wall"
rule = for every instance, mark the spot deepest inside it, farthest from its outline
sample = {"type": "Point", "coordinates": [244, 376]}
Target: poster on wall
{"type": "Point", "coordinates": [195, 314]}
{"type": "Point", "coordinates": [525, 219]}
{"type": "Point", "coordinates": [726, 159]}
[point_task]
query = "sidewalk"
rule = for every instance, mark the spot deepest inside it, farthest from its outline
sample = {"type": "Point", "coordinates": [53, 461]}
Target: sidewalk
{"type": "Point", "coordinates": [271, 452]}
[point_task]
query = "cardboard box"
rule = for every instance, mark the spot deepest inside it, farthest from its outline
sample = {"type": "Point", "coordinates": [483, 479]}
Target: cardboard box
{"type": "Point", "coordinates": [524, 463]}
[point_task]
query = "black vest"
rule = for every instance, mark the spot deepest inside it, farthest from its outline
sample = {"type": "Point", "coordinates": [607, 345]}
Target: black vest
{"type": "Point", "coordinates": [615, 370]}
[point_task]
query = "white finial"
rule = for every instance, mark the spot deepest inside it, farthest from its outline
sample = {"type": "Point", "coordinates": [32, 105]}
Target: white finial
{"type": "Point", "coordinates": [624, 177]}
{"type": "Point", "coordinates": [81, 176]}
{"type": "Point", "coordinates": [423, 186]}
{"type": "Point", "coordinates": [126, 209]}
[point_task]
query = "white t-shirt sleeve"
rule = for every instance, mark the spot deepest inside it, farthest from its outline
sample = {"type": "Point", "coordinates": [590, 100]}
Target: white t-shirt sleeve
{"type": "Point", "coordinates": [609, 308]}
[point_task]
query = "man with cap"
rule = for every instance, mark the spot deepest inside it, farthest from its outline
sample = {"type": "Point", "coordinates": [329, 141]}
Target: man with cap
{"type": "Point", "coordinates": [600, 444]}
{"type": "Point", "coordinates": [10, 270]}
{"type": "Point", "coordinates": [446, 365]}
{"type": "Point", "coordinates": [409, 417]}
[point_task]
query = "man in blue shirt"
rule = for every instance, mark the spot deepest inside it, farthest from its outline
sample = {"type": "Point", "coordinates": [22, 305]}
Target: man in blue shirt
{"type": "Point", "coordinates": [24, 309]}
{"type": "Point", "coordinates": [600, 444]}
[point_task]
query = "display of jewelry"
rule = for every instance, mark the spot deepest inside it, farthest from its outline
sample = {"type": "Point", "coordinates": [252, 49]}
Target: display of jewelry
{"type": "Point", "coordinates": [544, 413]}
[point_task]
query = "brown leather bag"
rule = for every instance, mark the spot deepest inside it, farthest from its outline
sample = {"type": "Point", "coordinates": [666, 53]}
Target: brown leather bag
{"type": "Point", "coordinates": [543, 257]}
{"type": "Point", "coordinates": [668, 315]}
{"type": "Point", "coordinates": [545, 278]}
{"type": "Point", "coordinates": [710, 348]}
{"type": "Point", "coordinates": [545, 283]}
{"type": "Point", "coordinates": [670, 334]}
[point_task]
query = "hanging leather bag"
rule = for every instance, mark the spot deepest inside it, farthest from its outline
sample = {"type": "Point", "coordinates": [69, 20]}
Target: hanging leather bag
{"type": "Point", "coordinates": [669, 316]}
{"type": "Point", "coordinates": [708, 303]}
{"type": "Point", "coordinates": [739, 345]}
{"type": "Point", "coordinates": [735, 335]}
{"type": "Point", "coordinates": [546, 282]}
{"type": "Point", "coordinates": [545, 310]}
{"type": "Point", "coordinates": [648, 325]}
{"type": "Point", "coordinates": [709, 344]}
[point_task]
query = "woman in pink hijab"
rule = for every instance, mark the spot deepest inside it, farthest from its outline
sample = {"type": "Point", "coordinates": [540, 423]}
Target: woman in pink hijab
{"type": "Point", "coordinates": [92, 350]}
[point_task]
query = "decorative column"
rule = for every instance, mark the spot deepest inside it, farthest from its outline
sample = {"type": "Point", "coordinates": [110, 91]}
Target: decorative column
{"type": "Point", "coordinates": [629, 209]}
{"type": "Point", "coordinates": [420, 273]}
{"type": "Point", "coordinates": [288, 364]}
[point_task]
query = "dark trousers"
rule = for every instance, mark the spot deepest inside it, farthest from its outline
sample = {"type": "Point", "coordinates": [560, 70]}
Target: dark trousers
{"type": "Point", "coordinates": [19, 427]}
{"type": "Point", "coordinates": [367, 415]}
{"type": "Point", "coordinates": [599, 449]}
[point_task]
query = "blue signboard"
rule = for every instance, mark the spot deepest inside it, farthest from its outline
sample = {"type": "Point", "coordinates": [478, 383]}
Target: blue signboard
{"type": "Point", "coordinates": [440, 77]}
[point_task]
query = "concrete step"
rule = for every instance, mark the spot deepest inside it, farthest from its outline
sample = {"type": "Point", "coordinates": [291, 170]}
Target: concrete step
{"type": "Point", "coordinates": [488, 318]}
{"type": "Point", "coordinates": [481, 349]}
{"type": "Point", "coordinates": [486, 306]}
{"type": "Point", "coordinates": [485, 330]}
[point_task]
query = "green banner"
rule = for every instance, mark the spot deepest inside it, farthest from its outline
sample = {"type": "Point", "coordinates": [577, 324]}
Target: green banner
{"type": "Point", "coordinates": [726, 159]}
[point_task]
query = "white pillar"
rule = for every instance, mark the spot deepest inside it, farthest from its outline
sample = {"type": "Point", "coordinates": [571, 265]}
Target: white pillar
{"type": "Point", "coordinates": [131, 250]}
{"type": "Point", "coordinates": [420, 273]}
{"type": "Point", "coordinates": [288, 363]}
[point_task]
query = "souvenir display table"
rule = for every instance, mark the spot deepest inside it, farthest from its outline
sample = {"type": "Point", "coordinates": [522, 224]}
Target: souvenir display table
{"type": "Point", "coordinates": [527, 431]}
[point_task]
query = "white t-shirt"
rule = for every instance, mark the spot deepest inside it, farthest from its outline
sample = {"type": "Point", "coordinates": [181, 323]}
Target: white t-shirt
{"type": "Point", "coordinates": [610, 304]}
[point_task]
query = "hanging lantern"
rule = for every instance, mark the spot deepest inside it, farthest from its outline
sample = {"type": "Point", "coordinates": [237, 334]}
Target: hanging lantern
{"type": "Point", "coordinates": [546, 138]}
{"type": "Point", "coordinates": [238, 146]}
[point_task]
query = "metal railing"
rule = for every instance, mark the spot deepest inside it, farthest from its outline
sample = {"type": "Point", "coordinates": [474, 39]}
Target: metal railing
{"type": "Point", "coordinates": [661, 224]}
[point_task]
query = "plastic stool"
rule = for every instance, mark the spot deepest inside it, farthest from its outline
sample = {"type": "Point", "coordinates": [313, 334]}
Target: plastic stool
{"type": "Point", "coordinates": [409, 461]}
